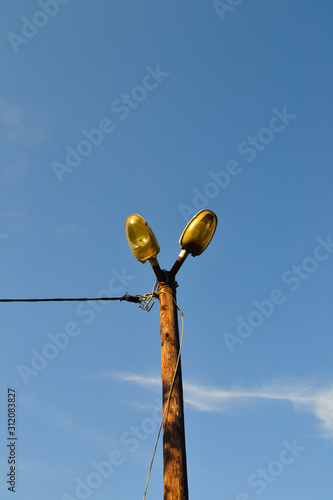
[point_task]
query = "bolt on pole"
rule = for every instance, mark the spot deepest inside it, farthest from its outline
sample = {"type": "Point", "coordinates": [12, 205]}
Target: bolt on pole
{"type": "Point", "coordinates": [174, 451]}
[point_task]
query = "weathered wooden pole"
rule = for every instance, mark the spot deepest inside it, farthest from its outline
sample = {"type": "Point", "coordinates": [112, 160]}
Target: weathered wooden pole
{"type": "Point", "coordinates": [174, 452]}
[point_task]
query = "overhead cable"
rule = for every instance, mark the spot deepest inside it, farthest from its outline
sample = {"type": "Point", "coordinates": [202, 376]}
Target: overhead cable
{"type": "Point", "coordinates": [128, 298]}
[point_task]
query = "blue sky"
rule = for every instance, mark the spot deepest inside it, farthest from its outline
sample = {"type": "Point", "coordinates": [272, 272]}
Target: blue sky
{"type": "Point", "coordinates": [163, 109]}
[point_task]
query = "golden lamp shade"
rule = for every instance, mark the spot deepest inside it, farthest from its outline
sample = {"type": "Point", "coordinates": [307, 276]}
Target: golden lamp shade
{"type": "Point", "coordinates": [141, 238]}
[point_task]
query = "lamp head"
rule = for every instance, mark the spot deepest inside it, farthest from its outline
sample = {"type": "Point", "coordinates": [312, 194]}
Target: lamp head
{"type": "Point", "coordinates": [141, 239]}
{"type": "Point", "coordinates": [198, 233]}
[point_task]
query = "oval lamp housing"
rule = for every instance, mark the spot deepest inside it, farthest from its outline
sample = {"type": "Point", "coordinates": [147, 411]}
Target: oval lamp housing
{"type": "Point", "coordinates": [141, 238]}
{"type": "Point", "coordinates": [199, 232]}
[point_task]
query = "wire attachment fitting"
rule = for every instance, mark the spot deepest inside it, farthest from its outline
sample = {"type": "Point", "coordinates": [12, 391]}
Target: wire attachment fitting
{"type": "Point", "coordinates": [131, 298]}
{"type": "Point", "coordinates": [146, 299]}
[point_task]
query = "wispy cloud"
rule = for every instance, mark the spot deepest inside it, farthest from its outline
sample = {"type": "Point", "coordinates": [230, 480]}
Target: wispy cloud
{"type": "Point", "coordinates": [3, 236]}
{"type": "Point", "coordinates": [302, 394]}
{"type": "Point", "coordinates": [19, 126]}
{"type": "Point", "coordinates": [16, 221]}
{"type": "Point", "coordinates": [21, 130]}
{"type": "Point", "coordinates": [47, 415]}
{"type": "Point", "coordinates": [147, 381]}
{"type": "Point", "coordinates": [67, 230]}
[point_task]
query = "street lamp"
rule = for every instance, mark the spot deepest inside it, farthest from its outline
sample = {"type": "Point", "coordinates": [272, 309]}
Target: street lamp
{"type": "Point", "coordinates": [196, 237]}
{"type": "Point", "coordinates": [143, 243]}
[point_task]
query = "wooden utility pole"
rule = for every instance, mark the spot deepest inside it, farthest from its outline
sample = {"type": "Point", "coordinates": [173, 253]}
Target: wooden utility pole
{"type": "Point", "coordinates": [174, 452]}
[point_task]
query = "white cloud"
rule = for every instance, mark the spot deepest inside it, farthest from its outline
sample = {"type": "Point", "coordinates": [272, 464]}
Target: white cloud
{"type": "Point", "coordinates": [150, 382]}
{"type": "Point", "coordinates": [3, 236]}
{"type": "Point", "coordinates": [17, 221]}
{"type": "Point", "coordinates": [68, 424]}
{"type": "Point", "coordinates": [302, 394]}
{"type": "Point", "coordinates": [67, 230]}
{"type": "Point", "coordinates": [20, 127]}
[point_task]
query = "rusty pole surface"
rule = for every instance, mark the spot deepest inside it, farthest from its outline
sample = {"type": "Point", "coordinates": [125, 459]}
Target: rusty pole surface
{"type": "Point", "coordinates": [174, 452]}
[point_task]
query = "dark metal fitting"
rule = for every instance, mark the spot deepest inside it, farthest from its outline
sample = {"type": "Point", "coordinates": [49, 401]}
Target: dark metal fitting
{"type": "Point", "coordinates": [131, 298]}
{"type": "Point", "coordinates": [169, 279]}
